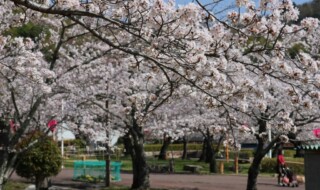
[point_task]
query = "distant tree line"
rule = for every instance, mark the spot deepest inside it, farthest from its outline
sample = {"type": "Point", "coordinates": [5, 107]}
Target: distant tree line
{"type": "Point", "coordinates": [310, 9]}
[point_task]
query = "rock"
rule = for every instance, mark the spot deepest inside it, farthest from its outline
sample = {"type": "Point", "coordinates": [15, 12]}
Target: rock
{"type": "Point", "coordinates": [31, 187]}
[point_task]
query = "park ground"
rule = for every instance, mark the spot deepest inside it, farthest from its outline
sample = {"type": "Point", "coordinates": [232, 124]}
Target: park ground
{"type": "Point", "coordinates": [172, 181]}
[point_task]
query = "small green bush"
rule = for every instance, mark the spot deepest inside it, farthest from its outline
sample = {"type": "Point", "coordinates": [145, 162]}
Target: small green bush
{"type": "Point", "coordinates": [40, 161]}
{"type": "Point", "coordinates": [247, 153]}
{"type": "Point", "coordinates": [269, 165]}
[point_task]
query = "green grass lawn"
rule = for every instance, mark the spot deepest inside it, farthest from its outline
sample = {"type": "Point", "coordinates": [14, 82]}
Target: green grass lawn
{"type": "Point", "coordinates": [13, 185]}
{"type": "Point", "coordinates": [290, 159]}
{"type": "Point", "coordinates": [179, 163]}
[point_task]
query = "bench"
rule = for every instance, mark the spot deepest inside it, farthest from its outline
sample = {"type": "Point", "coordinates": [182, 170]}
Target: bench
{"type": "Point", "coordinates": [192, 168]}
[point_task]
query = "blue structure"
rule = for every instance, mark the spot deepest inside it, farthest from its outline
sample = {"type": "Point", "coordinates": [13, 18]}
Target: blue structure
{"type": "Point", "coordinates": [95, 171]}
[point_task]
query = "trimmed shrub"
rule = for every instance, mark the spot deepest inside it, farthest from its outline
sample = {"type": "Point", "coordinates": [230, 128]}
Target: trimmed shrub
{"type": "Point", "coordinates": [269, 165]}
{"type": "Point", "coordinates": [289, 153]}
{"type": "Point", "coordinates": [246, 153]}
{"type": "Point", "coordinates": [40, 161]}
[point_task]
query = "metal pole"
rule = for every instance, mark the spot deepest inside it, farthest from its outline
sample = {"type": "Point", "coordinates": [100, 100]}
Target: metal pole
{"type": "Point", "coordinates": [107, 155]}
{"type": "Point", "coordinates": [61, 133]}
{"type": "Point", "coordinates": [107, 166]}
{"type": "Point", "coordinates": [62, 142]}
{"type": "Point", "coordinates": [270, 139]}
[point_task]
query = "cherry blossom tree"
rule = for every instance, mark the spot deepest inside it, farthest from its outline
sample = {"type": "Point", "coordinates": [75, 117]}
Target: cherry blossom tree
{"type": "Point", "coordinates": [169, 121]}
{"type": "Point", "coordinates": [24, 76]}
{"type": "Point", "coordinates": [242, 64]}
{"type": "Point", "coordinates": [278, 90]}
{"type": "Point", "coordinates": [32, 62]}
{"type": "Point", "coordinates": [63, 84]}
{"type": "Point", "coordinates": [121, 94]}
{"type": "Point", "coordinates": [186, 113]}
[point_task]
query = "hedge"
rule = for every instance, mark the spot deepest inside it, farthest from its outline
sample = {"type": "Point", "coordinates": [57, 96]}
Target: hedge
{"type": "Point", "coordinates": [173, 147]}
{"type": "Point", "coordinates": [74, 142]}
{"type": "Point", "coordinates": [244, 153]}
{"type": "Point", "coordinates": [269, 165]}
{"type": "Point", "coordinates": [289, 153]}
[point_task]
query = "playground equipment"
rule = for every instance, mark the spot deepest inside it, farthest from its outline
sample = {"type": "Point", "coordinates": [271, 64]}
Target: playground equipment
{"type": "Point", "coordinates": [95, 171]}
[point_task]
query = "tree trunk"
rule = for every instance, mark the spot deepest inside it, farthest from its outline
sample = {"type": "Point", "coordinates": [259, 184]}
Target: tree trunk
{"type": "Point", "coordinates": [1, 180]}
{"type": "Point", "coordinates": [140, 168]}
{"type": "Point", "coordinates": [5, 168]}
{"type": "Point", "coordinates": [261, 151]}
{"type": "Point", "coordinates": [4, 154]}
{"type": "Point", "coordinates": [8, 160]}
{"type": "Point", "coordinates": [213, 165]}
{"type": "Point", "coordinates": [254, 172]}
{"type": "Point", "coordinates": [185, 148]}
{"type": "Point", "coordinates": [41, 183]}
{"type": "Point", "coordinates": [126, 142]}
{"type": "Point", "coordinates": [210, 157]}
{"type": "Point", "coordinates": [209, 151]}
{"type": "Point", "coordinates": [203, 153]}
{"type": "Point", "coordinates": [164, 148]}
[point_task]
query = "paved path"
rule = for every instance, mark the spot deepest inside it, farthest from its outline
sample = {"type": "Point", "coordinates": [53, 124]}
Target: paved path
{"type": "Point", "coordinates": [179, 181]}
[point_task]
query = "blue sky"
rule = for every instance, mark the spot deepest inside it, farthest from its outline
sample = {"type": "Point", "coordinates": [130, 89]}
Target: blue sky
{"type": "Point", "coordinates": [226, 3]}
{"type": "Point", "coordinates": [206, 1]}
{"type": "Point", "coordinates": [301, 1]}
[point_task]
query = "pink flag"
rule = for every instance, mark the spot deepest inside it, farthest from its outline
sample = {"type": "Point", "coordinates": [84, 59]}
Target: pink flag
{"type": "Point", "coordinates": [52, 125]}
{"type": "Point", "coordinates": [316, 132]}
{"type": "Point", "coordinates": [12, 126]}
